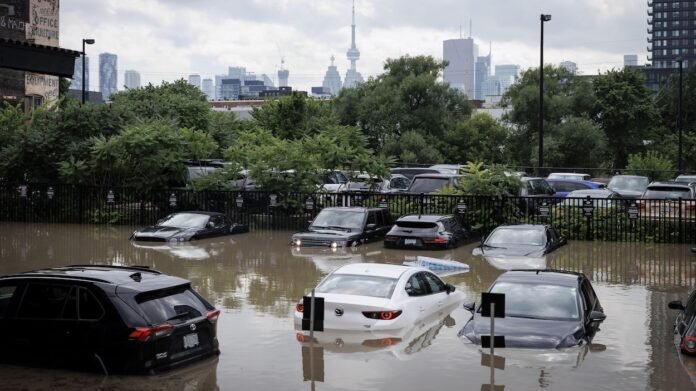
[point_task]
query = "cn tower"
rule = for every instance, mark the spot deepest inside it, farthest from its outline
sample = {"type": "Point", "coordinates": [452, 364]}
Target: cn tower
{"type": "Point", "coordinates": [353, 77]}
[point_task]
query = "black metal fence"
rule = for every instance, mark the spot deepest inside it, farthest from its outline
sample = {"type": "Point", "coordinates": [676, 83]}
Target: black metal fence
{"type": "Point", "coordinates": [663, 221]}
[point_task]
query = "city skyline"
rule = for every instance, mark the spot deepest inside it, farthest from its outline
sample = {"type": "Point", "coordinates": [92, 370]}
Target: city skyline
{"type": "Point", "coordinates": [166, 42]}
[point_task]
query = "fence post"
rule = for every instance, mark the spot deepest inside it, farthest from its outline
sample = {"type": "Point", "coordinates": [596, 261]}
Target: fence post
{"type": "Point", "coordinates": [680, 223]}
{"type": "Point", "coordinates": [422, 202]}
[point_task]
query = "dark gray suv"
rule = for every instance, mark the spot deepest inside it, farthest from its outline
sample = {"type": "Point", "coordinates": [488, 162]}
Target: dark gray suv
{"type": "Point", "coordinates": [107, 318]}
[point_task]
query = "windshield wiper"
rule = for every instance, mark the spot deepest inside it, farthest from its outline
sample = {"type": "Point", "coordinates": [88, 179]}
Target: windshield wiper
{"type": "Point", "coordinates": [338, 228]}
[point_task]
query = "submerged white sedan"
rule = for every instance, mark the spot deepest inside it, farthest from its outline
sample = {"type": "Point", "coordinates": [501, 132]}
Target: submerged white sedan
{"type": "Point", "coordinates": [374, 296]}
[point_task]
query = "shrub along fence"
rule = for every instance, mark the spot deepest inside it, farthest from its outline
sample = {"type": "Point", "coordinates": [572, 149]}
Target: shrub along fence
{"type": "Point", "coordinates": [663, 221]}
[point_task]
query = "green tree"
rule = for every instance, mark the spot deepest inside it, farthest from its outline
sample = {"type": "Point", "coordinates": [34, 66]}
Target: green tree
{"type": "Point", "coordinates": [407, 96]}
{"type": "Point", "coordinates": [294, 116]}
{"type": "Point", "coordinates": [413, 147]}
{"type": "Point", "coordinates": [493, 180]}
{"type": "Point", "coordinates": [480, 138]}
{"type": "Point", "coordinates": [565, 95]}
{"type": "Point", "coordinates": [651, 164]}
{"type": "Point", "coordinates": [625, 111]}
{"type": "Point", "coordinates": [178, 101]}
{"type": "Point", "coordinates": [577, 142]}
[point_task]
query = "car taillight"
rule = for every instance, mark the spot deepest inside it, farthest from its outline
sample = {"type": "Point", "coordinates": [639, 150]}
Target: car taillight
{"type": "Point", "coordinates": [435, 240]}
{"type": "Point", "coordinates": [213, 316]}
{"type": "Point", "coordinates": [299, 307]}
{"type": "Point", "coordinates": [143, 334]}
{"type": "Point", "coordinates": [689, 344]}
{"type": "Point", "coordinates": [390, 238]}
{"type": "Point", "coordinates": [640, 204]}
{"type": "Point", "coordinates": [378, 343]}
{"type": "Point", "coordinates": [300, 337]}
{"type": "Point", "coordinates": [383, 315]}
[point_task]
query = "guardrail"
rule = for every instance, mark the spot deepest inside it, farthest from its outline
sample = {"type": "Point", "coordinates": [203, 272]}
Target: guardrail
{"type": "Point", "coordinates": [664, 221]}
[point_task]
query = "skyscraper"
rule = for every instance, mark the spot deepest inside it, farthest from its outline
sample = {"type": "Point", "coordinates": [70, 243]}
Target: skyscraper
{"type": "Point", "coordinates": [108, 74]}
{"type": "Point", "coordinates": [482, 71]}
{"type": "Point", "coordinates": [237, 73]}
{"type": "Point", "coordinates": [283, 74]}
{"type": "Point", "coordinates": [353, 77]}
{"type": "Point", "coordinates": [507, 74]}
{"type": "Point", "coordinates": [132, 79]}
{"type": "Point", "coordinates": [195, 80]}
{"type": "Point", "coordinates": [630, 60]}
{"type": "Point", "coordinates": [208, 88]}
{"type": "Point", "coordinates": [332, 79]}
{"type": "Point", "coordinates": [461, 57]}
{"type": "Point", "coordinates": [76, 83]}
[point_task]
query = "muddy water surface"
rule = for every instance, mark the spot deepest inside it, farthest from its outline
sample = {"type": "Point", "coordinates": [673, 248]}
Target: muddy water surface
{"type": "Point", "coordinates": [256, 279]}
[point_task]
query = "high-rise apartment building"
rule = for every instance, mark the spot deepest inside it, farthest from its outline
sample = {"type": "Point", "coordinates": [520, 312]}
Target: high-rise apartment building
{"type": "Point", "coordinates": [507, 75]}
{"type": "Point", "coordinates": [208, 88]}
{"type": "Point", "coordinates": [132, 79]}
{"type": "Point", "coordinates": [460, 55]}
{"type": "Point", "coordinates": [283, 74]}
{"type": "Point", "coordinates": [195, 80]}
{"type": "Point", "coordinates": [76, 83]}
{"type": "Point", "coordinates": [671, 37]}
{"type": "Point", "coordinates": [108, 74]}
{"type": "Point", "coordinates": [482, 71]}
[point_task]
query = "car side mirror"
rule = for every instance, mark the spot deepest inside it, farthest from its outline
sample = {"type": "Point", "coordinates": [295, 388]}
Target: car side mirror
{"type": "Point", "coordinates": [210, 225]}
{"type": "Point", "coordinates": [370, 227]}
{"type": "Point", "coordinates": [597, 316]}
{"type": "Point", "coordinates": [470, 306]}
{"type": "Point", "coordinates": [676, 305]}
{"type": "Point", "coordinates": [450, 288]}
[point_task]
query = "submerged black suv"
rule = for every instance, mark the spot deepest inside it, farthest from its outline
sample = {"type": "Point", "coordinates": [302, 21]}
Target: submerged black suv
{"type": "Point", "coordinates": [106, 318]}
{"type": "Point", "coordinates": [344, 227]}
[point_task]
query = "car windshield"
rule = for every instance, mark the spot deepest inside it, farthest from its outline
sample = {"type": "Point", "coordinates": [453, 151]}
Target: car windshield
{"type": "Point", "coordinates": [667, 193]}
{"type": "Point", "coordinates": [685, 179]}
{"type": "Point", "coordinates": [628, 183]}
{"type": "Point", "coordinates": [527, 300]}
{"type": "Point", "coordinates": [351, 219]}
{"type": "Point", "coordinates": [358, 285]}
{"type": "Point", "coordinates": [184, 220]}
{"type": "Point", "coordinates": [427, 185]}
{"type": "Point", "coordinates": [507, 236]}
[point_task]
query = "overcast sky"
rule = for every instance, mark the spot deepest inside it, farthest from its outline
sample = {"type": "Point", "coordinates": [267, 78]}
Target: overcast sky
{"type": "Point", "coordinates": [170, 39]}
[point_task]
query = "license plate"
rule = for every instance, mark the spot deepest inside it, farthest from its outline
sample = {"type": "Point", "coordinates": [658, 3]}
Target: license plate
{"type": "Point", "coordinates": [410, 242]}
{"type": "Point", "coordinates": [190, 340]}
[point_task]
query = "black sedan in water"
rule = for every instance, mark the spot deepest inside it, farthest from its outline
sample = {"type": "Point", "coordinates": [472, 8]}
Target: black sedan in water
{"type": "Point", "coordinates": [426, 232]}
{"type": "Point", "coordinates": [543, 309]}
{"type": "Point", "coordinates": [528, 240]}
{"type": "Point", "coordinates": [184, 226]}
{"type": "Point", "coordinates": [685, 324]}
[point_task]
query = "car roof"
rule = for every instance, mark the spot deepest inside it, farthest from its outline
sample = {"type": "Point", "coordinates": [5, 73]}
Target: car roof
{"type": "Point", "coordinates": [352, 208]}
{"type": "Point", "coordinates": [531, 178]}
{"type": "Point", "coordinates": [438, 176]}
{"type": "Point", "coordinates": [426, 218]}
{"type": "Point", "coordinates": [548, 276]}
{"type": "Point", "coordinates": [138, 278]}
{"type": "Point", "coordinates": [577, 174]}
{"type": "Point", "coordinates": [525, 226]}
{"type": "Point", "coordinates": [630, 176]}
{"type": "Point", "coordinates": [670, 184]}
{"type": "Point", "coordinates": [591, 192]}
{"type": "Point", "coordinates": [376, 269]}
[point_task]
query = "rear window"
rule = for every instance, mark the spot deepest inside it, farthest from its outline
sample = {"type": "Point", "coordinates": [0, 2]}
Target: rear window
{"type": "Point", "coordinates": [667, 192]}
{"type": "Point", "coordinates": [415, 224]}
{"type": "Point", "coordinates": [172, 304]}
{"type": "Point", "coordinates": [358, 285]}
{"type": "Point", "coordinates": [427, 185]}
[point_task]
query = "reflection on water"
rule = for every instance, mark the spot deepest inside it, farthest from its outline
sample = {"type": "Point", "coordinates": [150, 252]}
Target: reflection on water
{"type": "Point", "coordinates": [256, 278]}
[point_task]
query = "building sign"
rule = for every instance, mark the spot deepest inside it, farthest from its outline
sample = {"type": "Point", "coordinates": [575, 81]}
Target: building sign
{"type": "Point", "coordinates": [13, 17]}
{"type": "Point", "coordinates": [43, 22]}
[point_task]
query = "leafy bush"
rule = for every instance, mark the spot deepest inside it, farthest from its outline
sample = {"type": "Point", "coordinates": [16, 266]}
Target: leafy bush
{"type": "Point", "coordinates": [653, 164]}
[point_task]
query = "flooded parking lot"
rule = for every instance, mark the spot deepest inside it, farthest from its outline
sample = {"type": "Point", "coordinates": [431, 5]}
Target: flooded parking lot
{"type": "Point", "coordinates": [257, 278]}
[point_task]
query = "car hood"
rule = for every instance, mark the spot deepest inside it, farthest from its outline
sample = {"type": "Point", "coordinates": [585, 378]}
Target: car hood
{"type": "Point", "coordinates": [163, 232]}
{"type": "Point", "coordinates": [511, 262]}
{"type": "Point", "coordinates": [525, 333]}
{"type": "Point", "coordinates": [516, 251]}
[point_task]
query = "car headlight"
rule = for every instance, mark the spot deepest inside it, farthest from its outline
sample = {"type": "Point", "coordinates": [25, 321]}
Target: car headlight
{"type": "Point", "coordinates": [298, 242]}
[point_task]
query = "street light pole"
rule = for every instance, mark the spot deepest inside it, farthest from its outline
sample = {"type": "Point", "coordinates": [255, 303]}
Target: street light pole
{"type": "Point", "coordinates": [543, 18]}
{"type": "Point", "coordinates": [88, 42]}
{"type": "Point", "coordinates": [679, 115]}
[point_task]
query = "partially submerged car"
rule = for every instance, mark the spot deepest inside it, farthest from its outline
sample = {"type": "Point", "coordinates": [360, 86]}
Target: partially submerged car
{"type": "Point", "coordinates": [426, 232]}
{"type": "Point", "coordinates": [563, 187]}
{"type": "Point", "coordinates": [379, 297]}
{"type": "Point", "coordinates": [600, 198]}
{"type": "Point", "coordinates": [629, 186]}
{"type": "Point", "coordinates": [544, 309]}
{"type": "Point", "coordinates": [185, 226]}
{"type": "Point", "coordinates": [114, 319]}
{"type": "Point", "coordinates": [685, 324]}
{"type": "Point", "coordinates": [529, 240]}
{"type": "Point", "coordinates": [344, 227]}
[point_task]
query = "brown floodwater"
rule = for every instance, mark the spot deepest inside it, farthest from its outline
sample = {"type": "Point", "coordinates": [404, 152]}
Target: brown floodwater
{"type": "Point", "coordinates": [257, 278]}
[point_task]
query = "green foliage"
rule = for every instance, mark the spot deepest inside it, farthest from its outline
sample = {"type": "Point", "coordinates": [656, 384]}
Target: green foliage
{"type": "Point", "coordinates": [479, 138]}
{"type": "Point", "coordinates": [652, 164]}
{"type": "Point", "coordinates": [626, 112]}
{"type": "Point", "coordinates": [408, 96]}
{"type": "Point", "coordinates": [577, 142]}
{"type": "Point", "coordinates": [492, 181]}
{"type": "Point", "coordinates": [144, 156]}
{"type": "Point", "coordinates": [413, 147]}
{"type": "Point", "coordinates": [294, 116]}
{"type": "Point", "coordinates": [198, 144]}
{"type": "Point", "coordinates": [179, 101]}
